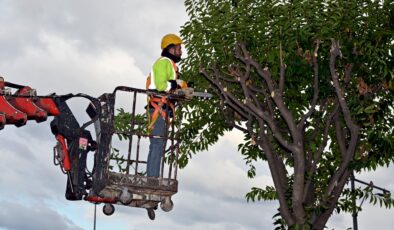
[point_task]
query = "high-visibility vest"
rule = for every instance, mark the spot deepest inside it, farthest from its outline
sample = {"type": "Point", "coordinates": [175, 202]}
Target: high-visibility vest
{"type": "Point", "coordinates": [151, 76]}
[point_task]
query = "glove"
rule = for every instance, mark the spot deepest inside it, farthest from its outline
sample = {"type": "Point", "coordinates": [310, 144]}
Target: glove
{"type": "Point", "coordinates": [174, 85]}
{"type": "Point", "coordinates": [181, 83]}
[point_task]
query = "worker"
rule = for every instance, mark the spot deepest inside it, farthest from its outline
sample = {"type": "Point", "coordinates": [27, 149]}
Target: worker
{"type": "Point", "coordinates": [163, 78]}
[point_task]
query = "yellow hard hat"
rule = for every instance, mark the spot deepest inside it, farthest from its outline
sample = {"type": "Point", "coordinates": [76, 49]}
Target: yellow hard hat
{"type": "Point", "coordinates": [170, 39]}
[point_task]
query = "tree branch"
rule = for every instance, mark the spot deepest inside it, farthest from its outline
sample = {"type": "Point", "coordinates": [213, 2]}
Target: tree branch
{"type": "Point", "coordinates": [322, 219]}
{"type": "Point", "coordinates": [276, 95]}
{"type": "Point", "coordinates": [322, 146]}
{"type": "Point", "coordinates": [246, 107]}
{"type": "Point", "coordinates": [270, 122]}
{"type": "Point", "coordinates": [282, 71]}
{"type": "Point", "coordinates": [240, 128]}
{"type": "Point", "coordinates": [267, 98]}
{"type": "Point", "coordinates": [341, 139]}
{"type": "Point", "coordinates": [335, 52]}
{"type": "Point", "coordinates": [301, 125]}
{"type": "Point", "coordinates": [278, 172]}
{"type": "Point", "coordinates": [353, 128]}
{"type": "Point", "coordinates": [229, 99]}
{"type": "Point", "coordinates": [318, 154]}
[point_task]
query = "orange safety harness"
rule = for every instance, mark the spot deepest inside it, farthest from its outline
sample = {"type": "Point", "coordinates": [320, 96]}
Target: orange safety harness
{"type": "Point", "coordinates": [158, 103]}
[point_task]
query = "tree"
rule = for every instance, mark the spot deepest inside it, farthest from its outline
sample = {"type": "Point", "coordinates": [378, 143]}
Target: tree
{"type": "Point", "coordinates": [309, 83]}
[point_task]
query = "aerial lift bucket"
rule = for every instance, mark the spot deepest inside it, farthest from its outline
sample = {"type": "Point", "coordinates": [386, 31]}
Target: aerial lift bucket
{"type": "Point", "coordinates": [131, 187]}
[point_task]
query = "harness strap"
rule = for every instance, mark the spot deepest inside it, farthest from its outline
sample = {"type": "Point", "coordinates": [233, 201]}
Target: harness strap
{"type": "Point", "coordinates": [157, 103]}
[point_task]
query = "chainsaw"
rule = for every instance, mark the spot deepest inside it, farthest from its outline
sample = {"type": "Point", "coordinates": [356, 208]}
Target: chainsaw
{"type": "Point", "coordinates": [186, 90]}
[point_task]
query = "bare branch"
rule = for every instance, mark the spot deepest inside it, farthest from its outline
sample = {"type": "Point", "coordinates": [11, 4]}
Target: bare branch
{"type": "Point", "coordinates": [249, 96]}
{"type": "Point", "coordinates": [276, 95]}
{"type": "Point", "coordinates": [247, 108]}
{"type": "Point", "coordinates": [335, 52]}
{"type": "Point", "coordinates": [227, 80]}
{"type": "Point", "coordinates": [247, 59]}
{"type": "Point", "coordinates": [351, 125]}
{"type": "Point", "coordinates": [227, 98]}
{"type": "Point", "coordinates": [325, 137]}
{"type": "Point", "coordinates": [267, 98]}
{"type": "Point", "coordinates": [318, 154]}
{"type": "Point", "coordinates": [240, 128]}
{"type": "Point", "coordinates": [270, 122]}
{"type": "Point", "coordinates": [297, 147]}
{"type": "Point", "coordinates": [301, 125]}
{"type": "Point", "coordinates": [340, 136]}
{"type": "Point", "coordinates": [282, 70]}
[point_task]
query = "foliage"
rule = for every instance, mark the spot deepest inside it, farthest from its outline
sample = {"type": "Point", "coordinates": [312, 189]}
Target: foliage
{"type": "Point", "coordinates": [123, 124]}
{"type": "Point", "coordinates": [310, 83]}
{"type": "Point", "coordinates": [262, 194]}
{"type": "Point", "coordinates": [345, 202]}
{"type": "Point", "coordinates": [126, 125]}
{"type": "Point", "coordinates": [123, 127]}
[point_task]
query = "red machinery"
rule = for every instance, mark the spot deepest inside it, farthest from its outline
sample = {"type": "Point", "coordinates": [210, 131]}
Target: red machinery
{"type": "Point", "coordinates": [2, 120]}
{"type": "Point", "coordinates": [12, 115]}
{"type": "Point", "coordinates": [24, 104]}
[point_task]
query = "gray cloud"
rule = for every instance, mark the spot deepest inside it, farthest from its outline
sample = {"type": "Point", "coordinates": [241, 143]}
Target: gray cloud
{"type": "Point", "coordinates": [14, 216]}
{"type": "Point", "coordinates": [17, 148]}
{"type": "Point", "coordinates": [27, 168]}
{"type": "Point", "coordinates": [194, 210]}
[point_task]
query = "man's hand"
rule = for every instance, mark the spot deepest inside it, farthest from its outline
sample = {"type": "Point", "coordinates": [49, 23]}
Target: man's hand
{"type": "Point", "coordinates": [181, 84]}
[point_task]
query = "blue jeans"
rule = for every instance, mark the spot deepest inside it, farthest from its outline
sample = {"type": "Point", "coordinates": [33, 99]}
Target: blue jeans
{"type": "Point", "coordinates": [156, 147]}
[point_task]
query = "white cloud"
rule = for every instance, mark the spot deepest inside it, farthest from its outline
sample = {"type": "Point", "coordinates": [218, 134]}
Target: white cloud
{"type": "Point", "coordinates": [223, 171]}
{"type": "Point", "coordinates": [61, 66]}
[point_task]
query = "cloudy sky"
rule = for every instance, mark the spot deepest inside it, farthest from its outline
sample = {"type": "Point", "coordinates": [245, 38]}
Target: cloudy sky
{"type": "Point", "coordinates": [92, 46]}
